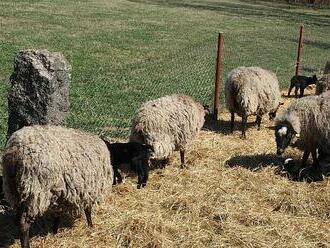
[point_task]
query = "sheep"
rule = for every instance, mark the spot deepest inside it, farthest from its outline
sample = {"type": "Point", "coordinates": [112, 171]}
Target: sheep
{"type": "Point", "coordinates": [54, 168]}
{"type": "Point", "coordinates": [251, 91]}
{"type": "Point", "coordinates": [135, 154]}
{"type": "Point", "coordinates": [308, 120]}
{"type": "Point", "coordinates": [301, 82]}
{"type": "Point", "coordinates": [168, 124]}
{"type": "Point", "coordinates": [323, 84]}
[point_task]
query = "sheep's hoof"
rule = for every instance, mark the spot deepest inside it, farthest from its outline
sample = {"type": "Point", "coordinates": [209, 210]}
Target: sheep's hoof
{"type": "Point", "coordinates": [141, 185]}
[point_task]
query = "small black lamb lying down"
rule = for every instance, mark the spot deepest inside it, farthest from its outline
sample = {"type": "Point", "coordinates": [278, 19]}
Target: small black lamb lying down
{"type": "Point", "coordinates": [135, 154]}
{"type": "Point", "coordinates": [301, 82]}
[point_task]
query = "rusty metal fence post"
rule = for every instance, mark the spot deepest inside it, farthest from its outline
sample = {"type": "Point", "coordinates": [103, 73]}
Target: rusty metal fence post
{"type": "Point", "coordinates": [218, 76]}
{"type": "Point", "coordinates": [300, 48]}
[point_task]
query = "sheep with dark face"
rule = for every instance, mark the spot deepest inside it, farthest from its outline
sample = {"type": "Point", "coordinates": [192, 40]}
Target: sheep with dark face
{"type": "Point", "coordinates": [132, 153]}
{"type": "Point", "coordinates": [54, 168]}
{"type": "Point", "coordinates": [306, 121]}
{"type": "Point", "coordinates": [301, 82]}
{"type": "Point", "coordinates": [252, 91]}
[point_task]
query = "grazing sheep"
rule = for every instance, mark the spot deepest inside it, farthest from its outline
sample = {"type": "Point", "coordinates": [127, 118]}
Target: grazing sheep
{"type": "Point", "coordinates": [54, 168]}
{"type": "Point", "coordinates": [251, 91]}
{"type": "Point", "coordinates": [168, 124]}
{"type": "Point", "coordinates": [135, 154]}
{"type": "Point", "coordinates": [308, 119]}
{"type": "Point", "coordinates": [323, 84]}
{"type": "Point", "coordinates": [301, 82]}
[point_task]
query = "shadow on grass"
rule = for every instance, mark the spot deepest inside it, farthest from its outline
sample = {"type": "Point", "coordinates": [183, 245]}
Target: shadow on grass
{"type": "Point", "coordinates": [41, 227]}
{"type": "Point", "coordinates": [257, 9]}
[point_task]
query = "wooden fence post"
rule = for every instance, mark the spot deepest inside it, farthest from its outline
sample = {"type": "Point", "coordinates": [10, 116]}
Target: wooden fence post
{"type": "Point", "coordinates": [300, 48]}
{"type": "Point", "coordinates": [218, 76]}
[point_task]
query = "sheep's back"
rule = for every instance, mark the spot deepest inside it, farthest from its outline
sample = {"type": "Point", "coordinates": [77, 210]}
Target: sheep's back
{"type": "Point", "coordinates": [55, 165]}
{"type": "Point", "coordinates": [168, 123]}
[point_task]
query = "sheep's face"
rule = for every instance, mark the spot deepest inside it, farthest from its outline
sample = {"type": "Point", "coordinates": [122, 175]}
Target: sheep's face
{"type": "Point", "coordinates": [272, 115]}
{"type": "Point", "coordinates": [314, 79]}
{"type": "Point", "coordinates": [284, 136]}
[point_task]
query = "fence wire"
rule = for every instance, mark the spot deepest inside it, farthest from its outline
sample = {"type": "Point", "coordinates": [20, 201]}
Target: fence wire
{"type": "Point", "coordinates": [111, 103]}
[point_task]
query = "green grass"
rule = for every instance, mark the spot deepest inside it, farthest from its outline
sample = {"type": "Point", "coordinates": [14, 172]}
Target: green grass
{"type": "Point", "coordinates": [126, 52]}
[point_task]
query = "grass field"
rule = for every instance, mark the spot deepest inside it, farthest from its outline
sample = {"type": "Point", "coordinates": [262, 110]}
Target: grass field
{"type": "Point", "coordinates": [125, 52]}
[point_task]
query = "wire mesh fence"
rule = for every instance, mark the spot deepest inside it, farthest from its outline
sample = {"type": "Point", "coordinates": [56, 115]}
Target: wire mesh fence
{"type": "Point", "coordinates": [110, 105]}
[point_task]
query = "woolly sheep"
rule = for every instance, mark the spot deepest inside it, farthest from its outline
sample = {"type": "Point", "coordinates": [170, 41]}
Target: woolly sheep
{"type": "Point", "coordinates": [324, 83]}
{"type": "Point", "coordinates": [308, 119]}
{"type": "Point", "coordinates": [168, 124]}
{"type": "Point", "coordinates": [52, 167]}
{"type": "Point", "coordinates": [251, 91]}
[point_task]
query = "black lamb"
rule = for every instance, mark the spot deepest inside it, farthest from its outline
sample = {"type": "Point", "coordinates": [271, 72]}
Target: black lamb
{"type": "Point", "coordinates": [132, 153]}
{"type": "Point", "coordinates": [301, 82]}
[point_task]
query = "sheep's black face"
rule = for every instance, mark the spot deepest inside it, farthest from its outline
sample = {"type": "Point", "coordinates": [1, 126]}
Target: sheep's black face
{"type": "Point", "coordinates": [314, 79]}
{"type": "Point", "coordinates": [283, 136]}
{"type": "Point", "coordinates": [272, 115]}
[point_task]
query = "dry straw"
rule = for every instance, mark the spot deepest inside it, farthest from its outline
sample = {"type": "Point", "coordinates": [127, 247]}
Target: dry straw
{"type": "Point", "coordinates": [230, 196]}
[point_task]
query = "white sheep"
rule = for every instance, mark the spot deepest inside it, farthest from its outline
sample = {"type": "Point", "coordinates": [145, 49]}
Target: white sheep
{"type": "Point", "coordinates": [168, 124]}
{"type": "Point", "coordinates": [251, 91]}
{"type": "Point", "coordinates": [56, 168]}
{"type": "Point", "coordinates": [308, 119]}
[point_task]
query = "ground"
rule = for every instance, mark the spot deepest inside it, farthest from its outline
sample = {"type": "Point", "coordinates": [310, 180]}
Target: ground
{"type": "Point", "coordinates": [231, 195]}
{"type": "Point", "coordinates": [124, 52]}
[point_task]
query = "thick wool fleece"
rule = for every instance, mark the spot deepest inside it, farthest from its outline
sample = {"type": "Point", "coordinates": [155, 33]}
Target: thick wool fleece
{"type": "Point", "coordinates": [168, 124]}
{"type": "Point", "coordinates": [310, 118]}
{"type": "Point", "coordinates": [52, 166]}
{"type": "Point", "coordinates": [252, 91]}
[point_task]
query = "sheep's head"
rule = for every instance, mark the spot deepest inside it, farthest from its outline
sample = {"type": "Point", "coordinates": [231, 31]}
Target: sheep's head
{"type": "Point", "coordinates": [272, 115]}
{"type": "Point", "coordinates": [284, 136]}
{"type": "Point", "coordinates": [314, 79]}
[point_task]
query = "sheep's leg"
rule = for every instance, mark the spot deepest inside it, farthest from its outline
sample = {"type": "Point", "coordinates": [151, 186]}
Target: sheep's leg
{"type": "Point", "coordinates": [141, 169]}
{"type": "Point", "coordinates": [302, 89]}
{"type": "Point", "coordinates": [296, 92]}
{"type": "Point", "coordinates": [182, 159]}
{"type": "Point", "coordinates": [258, 121]}
{"type": "Point", "coordinates": [290, 89]}
{"type": "Point", "coordinates": [56, 224]}
{"type": "Point", "coordinates": [146, 165]}
{"type": "Point", "coordinates": [244, 122]}
{"type": "Point", "coordinates": [24, 226]}
{"type": "Point", "coordinates": [116, 177]}
{"type": "Point", "coordinates": [304, 158]}
{"type": "Point", "coordinates": [315, 159]}
{"type": "Point", "coordinates": [232, 122]}
{"type": "Point", "coordinates": [88, 213]}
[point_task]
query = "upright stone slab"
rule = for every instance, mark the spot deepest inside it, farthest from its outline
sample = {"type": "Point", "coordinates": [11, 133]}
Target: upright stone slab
{"type": "Point", "coordinates": [39, 92]}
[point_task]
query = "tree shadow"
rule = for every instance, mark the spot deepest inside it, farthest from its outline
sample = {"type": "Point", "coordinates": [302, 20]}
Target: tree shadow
{"type": "Point", "coordinates": [41, 227]}
{"type": "Point", "coordinates": [256, 9]}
